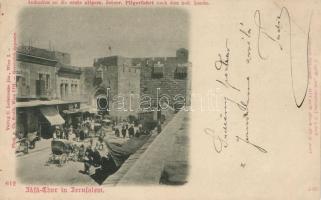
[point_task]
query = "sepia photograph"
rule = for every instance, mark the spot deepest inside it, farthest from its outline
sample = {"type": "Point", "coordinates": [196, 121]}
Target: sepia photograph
{"type": "Point", "coordinates": [103, 96]}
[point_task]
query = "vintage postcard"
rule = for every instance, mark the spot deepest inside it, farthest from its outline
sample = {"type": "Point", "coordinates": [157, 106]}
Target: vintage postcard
{"type": "Point", "coordinates": [160, 99]}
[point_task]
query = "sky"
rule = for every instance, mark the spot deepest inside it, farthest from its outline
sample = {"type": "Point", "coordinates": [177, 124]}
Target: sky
{"type": "Point", "coordinates": [87, 33]}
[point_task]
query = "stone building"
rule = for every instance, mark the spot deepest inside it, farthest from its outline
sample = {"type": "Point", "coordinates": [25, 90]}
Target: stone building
{"type": "Point", "coordinates": [166, 80]}
{"type": "Point", "coordinates": [142, 84]}
{"type": "Point", "coordinates": [68, 82]}
{"type": "Point", "coordinates": [35, 75]}
{"type": "Point", "coordinates": [87, 79]}
{"type": "Point", "coordinates": [119, 81]}
{"type": "Point", "coordinates": [39, 75]}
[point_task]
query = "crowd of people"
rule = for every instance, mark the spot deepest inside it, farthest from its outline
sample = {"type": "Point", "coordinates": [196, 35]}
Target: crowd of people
{"type": "Point", "coordinates": [96, 153]}
{"type": "Point", "coordinates": [79, 133]}
{"type": "Point", "coordinates": [86, 142]}
{"type": "Point", "coordinates": [128, 129]}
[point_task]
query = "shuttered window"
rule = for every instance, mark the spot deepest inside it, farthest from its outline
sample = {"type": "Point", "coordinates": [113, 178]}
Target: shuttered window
{"type": "Point", "coordinates": [180, 72]}
{"type": "Point", "coordinates": [158, 70]}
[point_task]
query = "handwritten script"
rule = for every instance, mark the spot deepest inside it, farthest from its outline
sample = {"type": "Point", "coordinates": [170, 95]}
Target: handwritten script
{"type": "Point", "coordinates": [252, 36]}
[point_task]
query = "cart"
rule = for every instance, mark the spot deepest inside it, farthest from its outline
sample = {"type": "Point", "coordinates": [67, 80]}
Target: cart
{"type": "Point", "coordinates": [61, 150]}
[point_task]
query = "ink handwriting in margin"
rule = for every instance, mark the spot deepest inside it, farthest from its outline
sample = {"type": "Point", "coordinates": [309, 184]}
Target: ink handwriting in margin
{"type": "Point", "coordinates": [284, 13]}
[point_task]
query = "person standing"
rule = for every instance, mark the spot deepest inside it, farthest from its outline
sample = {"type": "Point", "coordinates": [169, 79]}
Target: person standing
{"type": "Point", "coordinates": [123, 131]}
{"type": "Point", "coordinates": [131, 131]}
{"type": "Point", "coordinates": [159, 127]}
{"type": "Point", "coordinates": [57, 133]}
{"type": "Point", "coordinates": [67, 129]}
{"type": "Point", "coordinates": [137, 134]}
{"type": "Point", "coordinates": [71, 134]}
{"type": "Point", "coordinates": [77, 132]}
{"type": "Point", "coordinates": [117, 133]}
{"type": "Point", "coordinates": [82, 135]}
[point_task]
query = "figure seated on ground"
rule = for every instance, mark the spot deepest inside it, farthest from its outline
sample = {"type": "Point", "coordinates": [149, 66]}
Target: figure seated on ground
{"type": "Point", "coordinates": [108, 164]}
{"type": "Point", "coordinates": [107, 168]}
{"type": "Point", "coordinates": [81, 153]}
{"type": "Point", "coordinates": [92, 159]}
{"type": "Point", "coordinates": [94, 153]}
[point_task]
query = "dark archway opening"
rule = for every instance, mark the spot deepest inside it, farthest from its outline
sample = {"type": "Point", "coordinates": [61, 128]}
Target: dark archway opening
{"type": "Point", "coordinates": [102, 101]}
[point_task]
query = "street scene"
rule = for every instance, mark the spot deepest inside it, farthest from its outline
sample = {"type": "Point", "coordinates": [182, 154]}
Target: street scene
{"type": "Point", "coordinates": [102, 106]}
{"type": "Point", "coordinates": [36, 164]}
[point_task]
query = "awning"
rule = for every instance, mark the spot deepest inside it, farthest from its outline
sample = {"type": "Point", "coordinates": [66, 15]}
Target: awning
{"type": "Point", "coordinates": [71, 111]}
{"type": "Point", "coordinates": [34, 103]}
{"type": "Point", "coordinates": [52, 115]}
{"type": "Point", "coordinates": [89, 109]}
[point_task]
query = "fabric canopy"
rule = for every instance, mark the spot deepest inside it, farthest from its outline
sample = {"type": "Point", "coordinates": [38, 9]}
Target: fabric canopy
{"type": "Point", "coordinates": [71, 111]}
{"type": "Point", "coordinates": [89, 109]}
{"type": "Point", "coordinates": [52, 115]}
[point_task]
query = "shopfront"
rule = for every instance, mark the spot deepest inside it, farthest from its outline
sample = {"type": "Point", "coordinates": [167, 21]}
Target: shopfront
{"type": "Point", "coordinates": [48, 120]}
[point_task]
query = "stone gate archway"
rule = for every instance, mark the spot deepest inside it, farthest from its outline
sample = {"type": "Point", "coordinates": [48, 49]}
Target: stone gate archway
{"type": "Point", "coordinates": [101, 100]}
